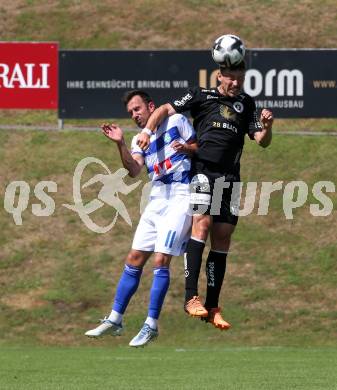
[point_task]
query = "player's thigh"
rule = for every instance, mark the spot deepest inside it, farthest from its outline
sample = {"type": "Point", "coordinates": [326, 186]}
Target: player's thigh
{"type": "Point", "coordinates": [174, 227]}
{"type": "Point", "coordinates": [227, 207]}
{"type": "Point", "coordinates": [146, 233]}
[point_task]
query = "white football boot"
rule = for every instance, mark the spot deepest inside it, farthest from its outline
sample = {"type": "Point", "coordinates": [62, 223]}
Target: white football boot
{"type": "Point", "coordinates": [145, 335]}
{"type": "Point", "coordinates": [107, 327]}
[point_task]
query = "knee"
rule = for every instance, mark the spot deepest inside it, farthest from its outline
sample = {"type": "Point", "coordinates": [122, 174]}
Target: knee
{"type": "Point", "coordinates": [161, 260]}
{"type": "Point", "coordinates": [226, 240]}
{"type": "Point", "coordinates": [221, 242]}
{"type": "Point", "coordinates": [135, 259]}
{"type": "Point", "coordinates": [200, 229]}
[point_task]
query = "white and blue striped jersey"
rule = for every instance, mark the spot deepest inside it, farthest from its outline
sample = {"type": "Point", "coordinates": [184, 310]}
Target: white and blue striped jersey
{"type": "Point", "coordinates": [168, 170]}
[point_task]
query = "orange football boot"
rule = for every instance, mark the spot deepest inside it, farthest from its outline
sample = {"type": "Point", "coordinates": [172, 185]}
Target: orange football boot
{"type": "Point", "coordinates": [194, 307]}
{"type": "Point", "coordinates": [214, 317]}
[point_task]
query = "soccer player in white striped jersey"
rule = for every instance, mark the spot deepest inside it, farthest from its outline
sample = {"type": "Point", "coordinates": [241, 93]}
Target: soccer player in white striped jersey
{"type": "Point", "coordinates": [164, 227]}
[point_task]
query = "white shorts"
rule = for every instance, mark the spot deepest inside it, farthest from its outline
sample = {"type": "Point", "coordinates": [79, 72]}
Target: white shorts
{"type": "Point", "coordinates": [165, 226]}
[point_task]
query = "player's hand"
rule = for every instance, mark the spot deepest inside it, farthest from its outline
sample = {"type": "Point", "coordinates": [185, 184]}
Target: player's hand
{"type": "Point", "coordinates": [178, 147]}
{"type": "Point", "coordinates": [188, 148]}
{"type": "Point", "coordinates": [143, 141]}
{"type": "Point", "coordinates": [266, 119]}
{"type": "Point", "coordinates": [113, 132]}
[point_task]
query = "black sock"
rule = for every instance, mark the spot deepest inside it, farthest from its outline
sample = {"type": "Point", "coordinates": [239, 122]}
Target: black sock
{"type": "Point", "coordinates": [193, 260]}
{"type": "Point", "coordinates": [215, 273]}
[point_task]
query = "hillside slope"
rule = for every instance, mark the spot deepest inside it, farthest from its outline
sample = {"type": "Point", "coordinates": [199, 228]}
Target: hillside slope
{"type": "Point", "coordinates": [175, 24]}
{"type": "Point", "coordinates": [57, 277]}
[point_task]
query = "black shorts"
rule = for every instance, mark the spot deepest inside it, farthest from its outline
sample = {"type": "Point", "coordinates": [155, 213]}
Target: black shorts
{"type": "Point", "coordinates": [212, 193]}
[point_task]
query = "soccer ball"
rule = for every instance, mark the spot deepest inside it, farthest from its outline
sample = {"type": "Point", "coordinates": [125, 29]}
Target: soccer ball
{"type": "Point", "coordinates": [228, 50]}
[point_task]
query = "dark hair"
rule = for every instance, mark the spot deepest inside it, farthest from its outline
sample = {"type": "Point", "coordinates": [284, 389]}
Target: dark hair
{"type": "Point", "coordinates": [136, 92]}
{"type": "Point", "coordinates": [240, 66]}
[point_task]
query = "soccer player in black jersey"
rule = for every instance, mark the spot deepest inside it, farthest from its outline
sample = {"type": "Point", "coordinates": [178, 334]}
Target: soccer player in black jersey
{"type": "Point", "coordinates": [222, 117]}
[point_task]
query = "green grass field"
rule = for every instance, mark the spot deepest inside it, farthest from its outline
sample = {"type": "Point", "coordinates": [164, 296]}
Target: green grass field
{"type": "Point", "coordinates": [168, 368]}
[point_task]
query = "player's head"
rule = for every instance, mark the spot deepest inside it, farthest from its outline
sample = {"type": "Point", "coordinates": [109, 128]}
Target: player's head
{"type": "Point", "coordinates": [139, 105]}
{"type": "Point", "coordinates": [231, 79]}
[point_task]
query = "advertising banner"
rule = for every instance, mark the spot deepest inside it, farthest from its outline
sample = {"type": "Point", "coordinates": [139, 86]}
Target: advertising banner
{"type": "Point", "coordinates": [29, 75]}
{"type": "Point", "coordinates": [293, 83]}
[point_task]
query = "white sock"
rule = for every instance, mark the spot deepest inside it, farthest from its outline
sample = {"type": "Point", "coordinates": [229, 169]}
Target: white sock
{"type": "Point", "coordinates": [152, 322]}
{"type": "Point", "coordinates": [115, 317]}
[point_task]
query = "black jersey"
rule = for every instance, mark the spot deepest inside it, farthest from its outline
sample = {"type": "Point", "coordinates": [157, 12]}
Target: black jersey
{"type": "Point", "coordinates": [221, 123]}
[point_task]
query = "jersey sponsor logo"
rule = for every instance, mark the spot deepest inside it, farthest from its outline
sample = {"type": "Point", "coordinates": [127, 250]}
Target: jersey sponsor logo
{"type": "Point", "coordinates": [162, 166]}
{"type": "Point", "coordinates": [229, 127]}
{"type": "Point", "coordinates": [183, 100]}
{"type": "Point", "coordinates": [225, 125]}
{"type": "Point", "coordinates": [238, 107]}
{"type": "Point", "coordinates": [227, 113]}
{"type": "Point", "coordinates": [211, 97]}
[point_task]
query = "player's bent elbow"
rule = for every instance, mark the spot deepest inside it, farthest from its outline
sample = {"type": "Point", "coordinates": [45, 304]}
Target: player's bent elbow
{"type": "Point", "coordinates": [134, 172]}
{"type": "Point", "coordinates": [165, 110]}
{"type": "Point", "coordinates": [263, 143]}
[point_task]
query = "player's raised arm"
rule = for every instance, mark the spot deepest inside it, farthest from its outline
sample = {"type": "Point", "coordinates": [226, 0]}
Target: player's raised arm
{"type": "Point", "coordinates": [133, 163]}
{"type": "Point", "coordinates": [263, 137]}
{"type": "Point", "coordinates": [157, 117]}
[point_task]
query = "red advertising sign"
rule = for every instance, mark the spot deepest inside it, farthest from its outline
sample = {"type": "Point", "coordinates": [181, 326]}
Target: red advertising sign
{"type": "Point", "coordinates": [29, 75]}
